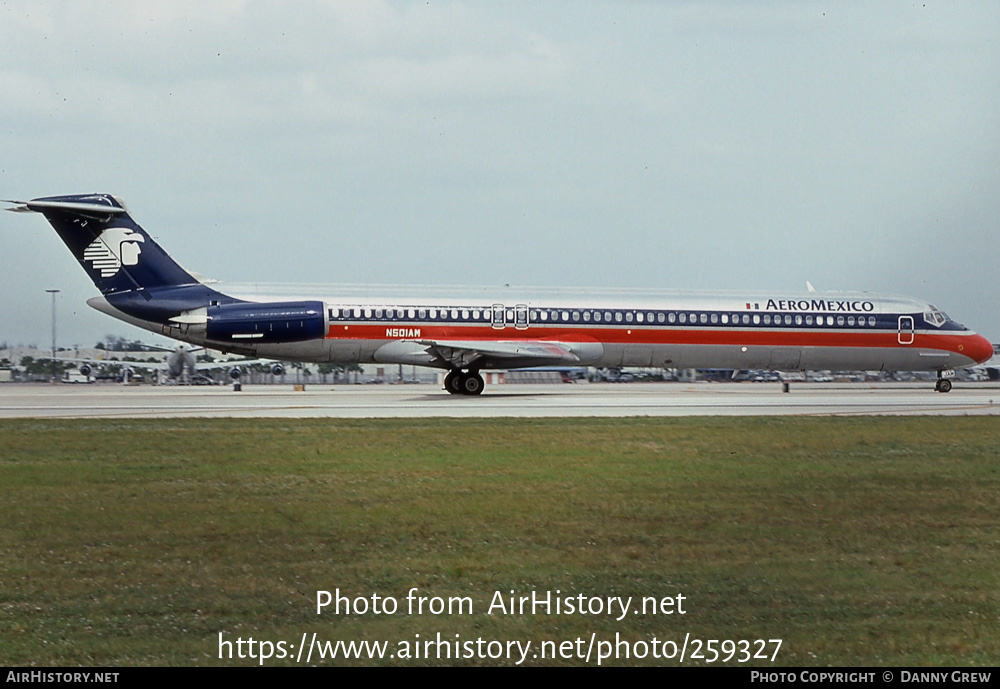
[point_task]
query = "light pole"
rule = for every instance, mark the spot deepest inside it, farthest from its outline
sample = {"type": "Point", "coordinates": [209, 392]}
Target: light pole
{"type": "Point", "coordinates": [53, 292]}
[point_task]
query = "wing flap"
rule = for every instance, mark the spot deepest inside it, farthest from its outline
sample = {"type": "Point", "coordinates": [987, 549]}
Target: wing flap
{"type": "Point", "coordinates": [467, 353]}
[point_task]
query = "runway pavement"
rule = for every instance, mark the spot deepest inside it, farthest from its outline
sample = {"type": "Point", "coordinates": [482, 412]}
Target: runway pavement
{"type": "Point", "coordinates": [109, 401]}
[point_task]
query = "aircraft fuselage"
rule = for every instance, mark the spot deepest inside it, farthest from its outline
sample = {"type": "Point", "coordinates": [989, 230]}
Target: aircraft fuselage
{"type": "Point", "coordinates": [503, 328]}
{"type": "Point", "coordinates": [812, 331]}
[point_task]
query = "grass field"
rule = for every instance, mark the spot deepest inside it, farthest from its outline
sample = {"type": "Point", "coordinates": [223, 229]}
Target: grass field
{"type": "Point", "coordinates": [854, 541]}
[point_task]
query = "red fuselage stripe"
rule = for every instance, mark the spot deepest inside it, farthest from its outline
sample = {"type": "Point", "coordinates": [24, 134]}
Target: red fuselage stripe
{"type": "Point", "coordinates": [950, 342]}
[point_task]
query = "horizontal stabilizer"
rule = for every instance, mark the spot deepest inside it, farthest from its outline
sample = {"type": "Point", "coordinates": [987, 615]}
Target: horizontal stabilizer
{"type": "Point", "coordinates": [39, 206]}
{"type": "Point", "coordinates": [20, 206]}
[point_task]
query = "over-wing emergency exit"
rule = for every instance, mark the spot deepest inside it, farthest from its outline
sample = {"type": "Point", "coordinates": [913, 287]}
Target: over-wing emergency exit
{"type": "Point", "coordinates": [503, 329]}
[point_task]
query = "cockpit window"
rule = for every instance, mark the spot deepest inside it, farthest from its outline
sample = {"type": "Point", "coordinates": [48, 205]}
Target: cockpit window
{"type": "Point", "coordinates": [935, 318]}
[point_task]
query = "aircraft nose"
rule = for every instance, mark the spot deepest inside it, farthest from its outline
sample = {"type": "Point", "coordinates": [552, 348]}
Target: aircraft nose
{"type": "Point", "coordinates": [979, 349]}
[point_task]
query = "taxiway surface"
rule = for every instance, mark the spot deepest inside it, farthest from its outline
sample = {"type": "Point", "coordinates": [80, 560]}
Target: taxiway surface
{"type": "Point", "coordinates": [582, 400]}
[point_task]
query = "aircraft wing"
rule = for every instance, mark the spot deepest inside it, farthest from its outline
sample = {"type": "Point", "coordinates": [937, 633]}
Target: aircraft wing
{"type": "Point", "coordinates": [465, 353]}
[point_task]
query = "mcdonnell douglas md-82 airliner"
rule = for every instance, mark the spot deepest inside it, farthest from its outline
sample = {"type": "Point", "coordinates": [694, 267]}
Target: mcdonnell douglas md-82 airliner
{"type": "Point", "coordinates": [501, 329]}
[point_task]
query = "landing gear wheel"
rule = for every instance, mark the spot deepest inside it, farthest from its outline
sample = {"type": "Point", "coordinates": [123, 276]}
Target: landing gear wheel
{"type": "Point", "coordinates": [943, 385]}
{"type": "Point", "coordinates": [451, 382]}
{"type": "Point", "coordinates": [471, 384]}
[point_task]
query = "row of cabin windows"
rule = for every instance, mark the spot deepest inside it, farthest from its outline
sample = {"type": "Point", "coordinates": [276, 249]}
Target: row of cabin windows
{"type": "Point", "coordinates": [597, 316]}
{"type": "Point", "coordinates": [357, 313]}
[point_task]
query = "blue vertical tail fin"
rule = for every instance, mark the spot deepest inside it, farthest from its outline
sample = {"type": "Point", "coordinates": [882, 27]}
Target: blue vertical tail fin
{"type": "Point", "coordinates": [115, 251]}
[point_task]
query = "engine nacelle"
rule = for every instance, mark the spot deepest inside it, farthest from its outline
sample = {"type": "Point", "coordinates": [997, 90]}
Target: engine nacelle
{"type": "Point", "coordinates": [287, 321]}
{"type": "Point", "coordinates": [235, 373]}
{"type": "Point", "coordinates": [84, 369]}
{"type": "Point", "coordinates": [277, 370]}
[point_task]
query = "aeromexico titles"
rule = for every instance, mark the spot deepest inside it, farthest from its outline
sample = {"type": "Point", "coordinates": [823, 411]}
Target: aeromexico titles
{"type": "Point", "coordinates": [501, 328]}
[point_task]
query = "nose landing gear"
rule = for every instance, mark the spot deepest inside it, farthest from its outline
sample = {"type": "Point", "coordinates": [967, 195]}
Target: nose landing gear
{"type": "Point", "coordinates": [943, 382]}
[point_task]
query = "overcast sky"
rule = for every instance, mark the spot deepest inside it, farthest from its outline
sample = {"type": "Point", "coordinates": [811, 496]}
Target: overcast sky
{"type": "Point", "coordinates": [704, 145]}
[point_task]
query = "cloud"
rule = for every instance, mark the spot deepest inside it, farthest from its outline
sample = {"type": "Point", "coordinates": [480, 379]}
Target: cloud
{"type": "Point", "coordinates": [661, 144]}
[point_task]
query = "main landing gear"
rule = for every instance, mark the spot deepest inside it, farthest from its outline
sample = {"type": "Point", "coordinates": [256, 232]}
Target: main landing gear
{"type": "Point", "coordinates": [944, 383]}
{"type": "Point", "coordinates": [464, 383]}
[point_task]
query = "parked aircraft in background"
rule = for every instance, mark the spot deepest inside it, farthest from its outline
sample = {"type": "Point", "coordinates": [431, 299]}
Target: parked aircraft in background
{"type": "Point", "coordinates": [181, 367]}
{"type": "Point", "coordinates": [501, 329]}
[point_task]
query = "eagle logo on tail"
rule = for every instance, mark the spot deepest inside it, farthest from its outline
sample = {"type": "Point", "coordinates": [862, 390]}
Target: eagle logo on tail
{"type": "Point", "coordinates": [115, 247]}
